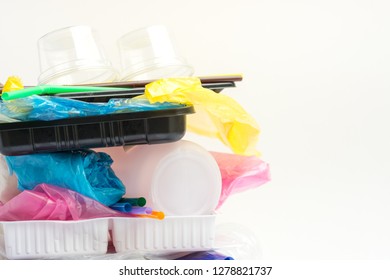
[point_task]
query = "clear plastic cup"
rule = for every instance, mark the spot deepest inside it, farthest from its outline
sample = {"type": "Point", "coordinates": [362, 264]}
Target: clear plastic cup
{"type": "Point", "coordinates": [73, 55]}
{"type": "Point", "coordinates": [149, 53]}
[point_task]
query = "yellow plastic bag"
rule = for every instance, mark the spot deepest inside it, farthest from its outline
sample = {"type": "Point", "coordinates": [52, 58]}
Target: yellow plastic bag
{"type": "Point", "coordinates": [13, 83]}
{"type": "Point", "coordinates": [216, 115]}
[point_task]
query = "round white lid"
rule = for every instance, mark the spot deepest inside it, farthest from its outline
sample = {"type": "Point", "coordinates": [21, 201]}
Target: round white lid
{"type": "Point", "coordinates": [186, 182]}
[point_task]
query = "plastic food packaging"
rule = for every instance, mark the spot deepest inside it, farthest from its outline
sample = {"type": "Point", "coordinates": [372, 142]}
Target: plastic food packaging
{"type": "Point", "coordinates": [149, 53]}
{"type": "Point", "coordinates": [179, 178]}
{"type": "Point", "coordinates": [84, 171]}
{"type": "Point", "coordinates": [172, 234]}
{"type": "Point", "coordinates": [141, 127]}
{"type": "Point", "coordinates": [73, 55]}
{"type": "Point", "coordinates": [240, 173]}
{"type": "Point", "coordinates": [53, 239]}
{"type": "Point", "coordinates": [216, 115]}
{"type": "Point", "coordinates": [88, 239]}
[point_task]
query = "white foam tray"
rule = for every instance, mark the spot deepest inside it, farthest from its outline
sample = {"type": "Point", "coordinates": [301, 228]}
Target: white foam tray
{"type": "Point", "coordinates": [173, 233]}
{"type": "Point", "coordinates": [51, 239]}
{"type": "Point", "coordinates": [58, 239]}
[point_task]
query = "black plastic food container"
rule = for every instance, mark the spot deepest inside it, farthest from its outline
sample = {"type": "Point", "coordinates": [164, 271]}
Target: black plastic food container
{"type": "Point", "coordinates": [145, 127]}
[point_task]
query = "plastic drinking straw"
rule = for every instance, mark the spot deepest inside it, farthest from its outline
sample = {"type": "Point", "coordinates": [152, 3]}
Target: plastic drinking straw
{"type": "Point", "coordinates": [138, 201]}
{"type": "Point", "coordinates": [49, 89]}
{"type": "Point", "coordinates": [122, 207]}
{"type": "Point", "coordinates": [141, 210]}
{"type": "Point", "coordinates": [155, 214]}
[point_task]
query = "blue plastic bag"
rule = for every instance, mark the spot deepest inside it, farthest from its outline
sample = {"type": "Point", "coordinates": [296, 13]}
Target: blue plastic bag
{"type": "Point", "coordinates": [48, 108]}
{"type": "Point", "coordinates": [85, 171]}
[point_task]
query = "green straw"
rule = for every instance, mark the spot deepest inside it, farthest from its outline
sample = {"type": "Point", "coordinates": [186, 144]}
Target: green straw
{"type": "Point", "coordinates": [138, 201]}
{"type": "Point", "coordinates": [49, 89]}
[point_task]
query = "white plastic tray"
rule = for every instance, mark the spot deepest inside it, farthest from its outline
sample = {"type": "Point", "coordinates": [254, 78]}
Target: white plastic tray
{"type": "Point", "coordinates": [173, 233]}
{"type": "Point", "coordinates": [51, 239]}
{"type": "Point", "coordinates": [61, 239]}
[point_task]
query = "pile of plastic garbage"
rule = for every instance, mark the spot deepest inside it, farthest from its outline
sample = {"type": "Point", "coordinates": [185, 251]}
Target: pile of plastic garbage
{"type": "Point", "coordinates": [118, 172]}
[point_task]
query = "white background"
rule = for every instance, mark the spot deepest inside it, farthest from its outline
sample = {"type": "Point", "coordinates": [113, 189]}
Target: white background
{"type": "Point", "coordinates": [316, 78]}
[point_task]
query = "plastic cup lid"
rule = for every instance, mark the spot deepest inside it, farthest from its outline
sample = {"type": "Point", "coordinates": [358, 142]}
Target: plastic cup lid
{"type": "Point", "coordinates": [186, 184]}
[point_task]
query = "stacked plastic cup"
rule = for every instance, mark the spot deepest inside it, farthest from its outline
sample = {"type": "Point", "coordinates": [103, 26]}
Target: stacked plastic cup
{"type": "Point", "coordinates": [73, 55]}
{"type": "Point", "coordinates": [150, 53]}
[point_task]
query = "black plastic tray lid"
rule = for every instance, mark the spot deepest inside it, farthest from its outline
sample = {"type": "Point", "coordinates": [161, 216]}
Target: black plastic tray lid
{"type": "Point", "coordinates": [144, 127]}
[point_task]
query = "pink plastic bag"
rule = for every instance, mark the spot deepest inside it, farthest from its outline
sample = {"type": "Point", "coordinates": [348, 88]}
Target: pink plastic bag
{"type": "Point", "coordinates": [240, 173]}
{"type": "Point", "coordinates": [47, 202]}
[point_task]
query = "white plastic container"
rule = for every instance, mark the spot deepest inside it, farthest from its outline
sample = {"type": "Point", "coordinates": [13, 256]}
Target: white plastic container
{"type": "Point", "coordinates": [53, 239]}
{"type": "Point", "coordinates": [179, 178]}
{"type": "Point", "coordinates": [172, 234]}
{"type": "Point", "coordinates": [73, 55]}
{"type": "Point", "coordinates": [149, 53]}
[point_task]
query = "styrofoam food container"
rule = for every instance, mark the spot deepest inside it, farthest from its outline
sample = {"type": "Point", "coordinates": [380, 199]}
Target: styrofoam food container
{"type": "Point", "coordinates": [51, 239]}
{"type": "Point", "coordinates": [172, 234]}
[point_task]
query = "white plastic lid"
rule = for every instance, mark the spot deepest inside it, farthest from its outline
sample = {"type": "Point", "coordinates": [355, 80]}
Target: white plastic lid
{"type": "Point", "coordinates": [179, 178]}
{"type": "Point", "coordinates": [186, 182]}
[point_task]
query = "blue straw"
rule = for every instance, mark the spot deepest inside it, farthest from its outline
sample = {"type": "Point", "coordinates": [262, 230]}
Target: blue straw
{"type": "Point", "coordinates": [122, 207]}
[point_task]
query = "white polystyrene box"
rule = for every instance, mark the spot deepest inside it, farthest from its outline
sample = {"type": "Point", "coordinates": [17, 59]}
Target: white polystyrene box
{"type": "Point", "coordinates": [173, 233]}
{"type": "Point", "coordinates": [51, 239]}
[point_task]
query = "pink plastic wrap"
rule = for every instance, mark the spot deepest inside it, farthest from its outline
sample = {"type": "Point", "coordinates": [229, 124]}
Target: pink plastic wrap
{"type": "Point", "coordinates": [240, 173]}
{"type": "Point", "coordinates": [47, 202]}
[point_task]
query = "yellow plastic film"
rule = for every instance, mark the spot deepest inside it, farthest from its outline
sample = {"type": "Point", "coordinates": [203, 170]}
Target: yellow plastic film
{"type": "Point", "coordinates": [217, 115]}
{"type": "Point", "coordinates": [13, 83]}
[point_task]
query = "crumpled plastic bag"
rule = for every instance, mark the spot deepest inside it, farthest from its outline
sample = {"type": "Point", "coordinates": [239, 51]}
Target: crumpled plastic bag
{"type": "Point", "coordinates": [240, 173]}
{"type": "Point", "coordinates": [13, 83]}
{"type": "Point", "coordinates": [48, 108]}
{"type": "Point", "coordinates": [84, 171]}
{"type": "Point", "coordinates": [47, 202]}
{"type": "Point", "coordinates": [217, 115]}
